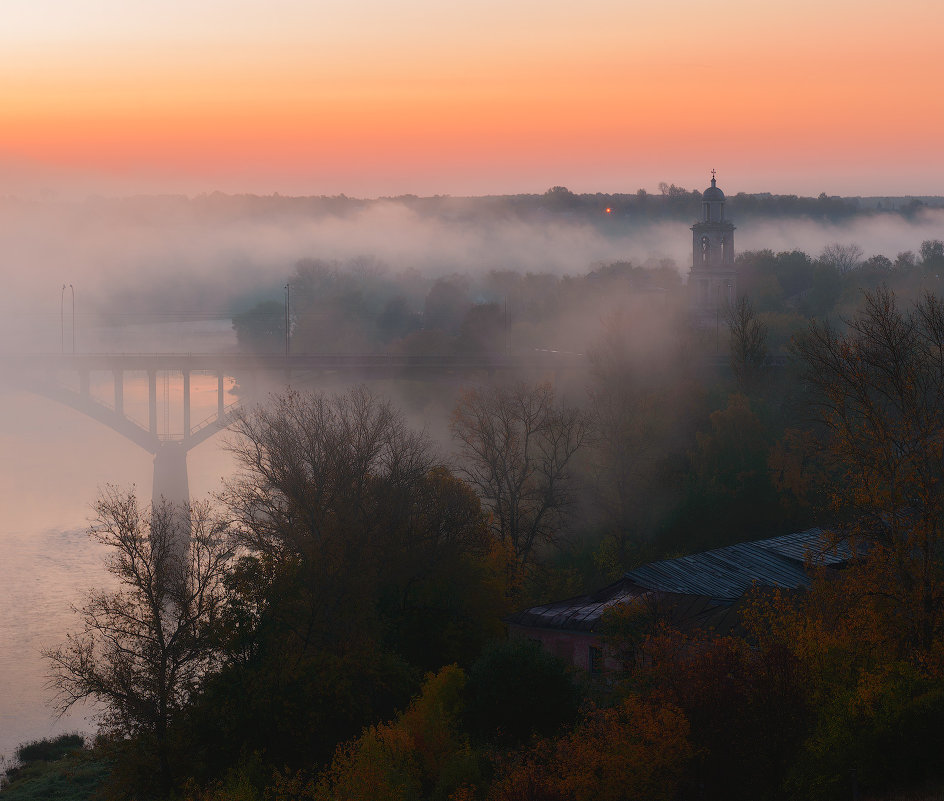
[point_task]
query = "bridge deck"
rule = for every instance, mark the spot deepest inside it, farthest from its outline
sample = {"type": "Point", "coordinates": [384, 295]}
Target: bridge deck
{"type": "Point", "coordinates": [230, 362]}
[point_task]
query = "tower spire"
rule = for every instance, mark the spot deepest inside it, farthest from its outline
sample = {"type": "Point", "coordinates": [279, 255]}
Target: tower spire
{"type": "Point", "coordinates": [713, 273]}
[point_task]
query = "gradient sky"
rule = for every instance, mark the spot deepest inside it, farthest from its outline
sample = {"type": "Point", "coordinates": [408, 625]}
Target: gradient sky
{"type": "Point", "coordinates": [373, 97]}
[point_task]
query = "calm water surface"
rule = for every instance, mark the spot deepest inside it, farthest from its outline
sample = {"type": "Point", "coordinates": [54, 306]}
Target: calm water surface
{"type": "Point", "coordinates": [41, 574]}
{"type": "Point", "coordinates": [53, 462]}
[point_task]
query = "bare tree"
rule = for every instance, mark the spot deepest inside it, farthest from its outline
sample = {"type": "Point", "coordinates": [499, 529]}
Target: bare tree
{"type": "Point", "coordinates": [145, 646]}
{"type": "Point", "coordinates": [311, 466]}
{"type": "Point", "coordinates": [843, 258]}
{"type": "Point", "coordinates": [749, 354]}
{"type": "Point", "coordinates": [516, 446]}
{"type": "Point", "coordinates": [351, 512]}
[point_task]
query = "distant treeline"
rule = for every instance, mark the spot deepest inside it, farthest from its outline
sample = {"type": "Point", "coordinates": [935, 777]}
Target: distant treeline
{"type": "Point", "coordinates": [669, 202]}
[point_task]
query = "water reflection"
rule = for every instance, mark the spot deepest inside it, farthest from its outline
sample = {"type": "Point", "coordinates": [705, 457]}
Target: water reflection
{"type": "Point", "coordinates": [53, 460]}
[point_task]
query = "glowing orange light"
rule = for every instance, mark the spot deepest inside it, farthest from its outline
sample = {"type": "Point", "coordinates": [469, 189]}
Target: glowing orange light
{"type": "Point", "coordinates": [608, 209]}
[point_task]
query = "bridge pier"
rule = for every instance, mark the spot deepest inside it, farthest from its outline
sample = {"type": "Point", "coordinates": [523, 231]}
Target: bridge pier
{"type": "Point", "coordinates": [220, 406]}
{"type": "Point", "coordinates": [170, 474]}
{"type": "Point", "coordinates": [172, 486]}
{"type": "Point", "coordinates": [118, 378]}
{"type": "Point", "coordinates": [186, 405]}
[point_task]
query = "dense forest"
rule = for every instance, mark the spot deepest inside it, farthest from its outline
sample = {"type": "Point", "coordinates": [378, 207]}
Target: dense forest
{"type": "Point", "coordinates": [331, 627]}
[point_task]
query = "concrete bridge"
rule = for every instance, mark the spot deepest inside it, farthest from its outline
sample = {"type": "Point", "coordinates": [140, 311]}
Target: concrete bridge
{"type": "Point", "coordinates": [66, 379]}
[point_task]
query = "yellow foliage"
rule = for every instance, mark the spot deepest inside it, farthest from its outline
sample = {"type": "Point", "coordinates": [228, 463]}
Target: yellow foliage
{"type": "Point", "coordinates": [635, 750]}
{"type": "Point", "coordinates": [421, 752]}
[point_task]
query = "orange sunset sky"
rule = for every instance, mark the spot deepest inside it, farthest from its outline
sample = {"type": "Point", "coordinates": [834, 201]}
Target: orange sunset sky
{"type": "Point", "coordinates": [471, 97]}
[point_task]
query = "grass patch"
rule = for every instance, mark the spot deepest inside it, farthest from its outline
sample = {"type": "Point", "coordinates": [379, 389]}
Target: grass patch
{"type": "Point", "coordinates": [54, 770]}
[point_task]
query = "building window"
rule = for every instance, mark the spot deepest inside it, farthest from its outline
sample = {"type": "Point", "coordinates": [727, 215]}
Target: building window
{"type": "Point", "coordinates": [596, 660]}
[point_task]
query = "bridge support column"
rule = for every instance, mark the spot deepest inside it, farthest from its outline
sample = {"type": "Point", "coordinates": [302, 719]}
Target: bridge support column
{"type": "Point", "coordinates": [220, 406]}
{"type": "Point", "coordinates": [152, 401]}
{"type": "Point", "coordinates": [118, 377]}
{"type": "Point", "coordinates": [186, 404]}
{"type": "Point", "coordinates": [171, 487]}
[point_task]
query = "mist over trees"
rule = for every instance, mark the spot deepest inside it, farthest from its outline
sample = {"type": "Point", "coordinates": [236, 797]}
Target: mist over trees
{"type": "Point", "coordinates": [218, 255]}
{"type": "Point", "coordinates": [357, 642]}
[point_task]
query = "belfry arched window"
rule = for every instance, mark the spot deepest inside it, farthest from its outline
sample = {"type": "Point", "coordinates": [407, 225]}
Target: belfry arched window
{"type": "Point", "coordinates": [705, 250]}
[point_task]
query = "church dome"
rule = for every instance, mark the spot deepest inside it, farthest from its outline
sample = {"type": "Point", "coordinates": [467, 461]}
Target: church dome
{"type": "Point", "coordinates": [712, 192]}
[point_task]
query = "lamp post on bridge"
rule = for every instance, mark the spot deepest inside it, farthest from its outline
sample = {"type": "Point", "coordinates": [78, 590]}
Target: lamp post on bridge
{"type": "Point", "coordinates": [288, 329]}
{"type": "Point", "coordinates": [62, 336]}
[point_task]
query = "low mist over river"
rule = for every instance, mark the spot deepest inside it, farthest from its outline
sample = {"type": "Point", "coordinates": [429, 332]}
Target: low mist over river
{"type": "Point", "coordinates": [54, 462]}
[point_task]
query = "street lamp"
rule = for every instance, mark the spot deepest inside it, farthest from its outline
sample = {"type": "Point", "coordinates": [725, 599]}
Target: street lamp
{"type": "Point", "coordinates": [288, 330]}
{"type": "Point", "coordinates": [62, 336]}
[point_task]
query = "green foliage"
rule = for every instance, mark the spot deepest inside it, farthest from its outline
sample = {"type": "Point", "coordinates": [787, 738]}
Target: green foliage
{"type": "Point", "coordinates": [60, 769]}
{"type": "Point", "coordinates": [516, 690]}
{"type": "Point", "coordinates": [261, 328]}
{"type": "Point", "coordinates": [730, 494]}
{"type": "Point", "coordinates": [49, 750]}
{"type": "Point", "coordinates": [824, 292]}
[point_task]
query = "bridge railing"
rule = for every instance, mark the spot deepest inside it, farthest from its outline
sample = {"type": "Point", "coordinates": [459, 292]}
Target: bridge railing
{"type": "Point", "coordinates": [213, 418]}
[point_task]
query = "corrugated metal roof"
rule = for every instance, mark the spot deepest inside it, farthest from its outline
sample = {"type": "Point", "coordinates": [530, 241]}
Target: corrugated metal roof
{"type": "Point", "coordinates": [727, 573]}
{"type": "Point", "coordinates": [580, 613]}
{"type": "Point", "coordinates": [714, 580]}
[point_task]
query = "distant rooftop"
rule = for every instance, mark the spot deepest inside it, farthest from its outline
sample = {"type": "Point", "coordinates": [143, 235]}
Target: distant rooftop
{"type": "Point", "coordinates": [702, 584]}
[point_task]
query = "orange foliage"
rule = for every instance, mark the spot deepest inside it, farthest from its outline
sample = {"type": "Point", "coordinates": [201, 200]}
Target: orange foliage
{"type": "Point", "coordinates": [421, 752]}
{"type": "Point", "coordinates": [635, 750]}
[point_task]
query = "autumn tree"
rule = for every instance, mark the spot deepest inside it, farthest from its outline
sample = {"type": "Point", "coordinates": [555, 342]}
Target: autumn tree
{"type": "Point", "coordinates": [516, 446]}
{"type": "Point", "coordinates": [422, 754]}
{"type": "Point", "coordinates": [634, 749]}
{"type": "Point", "coordinates": [367, 563]}
{"type": "Point", "coordinates": [748, 344]}
{"type": "Point", "coordinates": [147, 645]}
{"type": "Point", "coordinates": [878, 387]}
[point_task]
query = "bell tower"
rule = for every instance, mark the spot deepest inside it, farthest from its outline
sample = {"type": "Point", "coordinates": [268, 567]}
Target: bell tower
{"type": "Point", "coordinates": [713, 279]}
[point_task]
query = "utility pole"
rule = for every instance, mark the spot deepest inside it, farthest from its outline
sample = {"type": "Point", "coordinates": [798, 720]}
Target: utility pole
{"type": "Point", "coordinates": [73, 318]}
{"type": "Point", "coordinates": [288, 329]}
{"type": "Point", "coordinates": [62, 325]}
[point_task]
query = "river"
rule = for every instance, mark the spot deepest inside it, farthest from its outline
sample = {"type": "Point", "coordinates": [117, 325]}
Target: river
{"type": "Point", "coordinates": [53, 461]}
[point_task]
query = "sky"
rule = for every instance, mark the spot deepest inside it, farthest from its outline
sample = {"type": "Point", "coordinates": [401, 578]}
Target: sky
{"type": "Point", "coordinates": [372, 98]}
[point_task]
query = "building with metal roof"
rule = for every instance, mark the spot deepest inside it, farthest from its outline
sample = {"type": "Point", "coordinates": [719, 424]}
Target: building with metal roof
{"type": "Point", "coordinates": [698, 591]}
